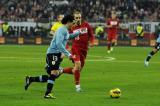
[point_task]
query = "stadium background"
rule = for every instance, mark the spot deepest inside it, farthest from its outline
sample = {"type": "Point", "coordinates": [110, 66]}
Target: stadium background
{"type": "Point", "coordinates": [30, 21]}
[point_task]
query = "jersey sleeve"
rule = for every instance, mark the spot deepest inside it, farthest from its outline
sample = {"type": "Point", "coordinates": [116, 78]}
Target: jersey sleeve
{"type": "Point", "coordinates": [60, 39]}
{"type": "Point", "coordinates": [54, 27]}
{"type": "Point", "coordinates": [73, 35]}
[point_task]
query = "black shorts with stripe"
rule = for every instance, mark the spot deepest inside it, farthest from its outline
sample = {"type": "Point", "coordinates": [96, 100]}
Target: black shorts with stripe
{"type": "Point", "coordinates": [53, 61]}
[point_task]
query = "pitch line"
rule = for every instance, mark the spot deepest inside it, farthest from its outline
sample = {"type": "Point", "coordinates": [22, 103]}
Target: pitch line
{"type": "Point", "coordinates": [102, 58]}
{"type": "Point", "coordinates": [105, 59]}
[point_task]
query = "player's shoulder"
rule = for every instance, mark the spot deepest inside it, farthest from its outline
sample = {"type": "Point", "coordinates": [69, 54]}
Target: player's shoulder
{"type": "Point", "coordinates": [56, 23]}
{"type": "Point", "coordinates": [86, 23]}
{"type": "Point", "coordinates": [62, 29]}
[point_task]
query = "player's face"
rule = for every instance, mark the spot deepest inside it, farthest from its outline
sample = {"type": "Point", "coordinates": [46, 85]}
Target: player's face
{"type": "Point", "coordinates": [78, 18]}
{"type": "Point", "coordinates": [70, 24]}
{"type": "Point", "coordinates": [60, 17]}
{"type": "Point", "coordinates": [113, 16]}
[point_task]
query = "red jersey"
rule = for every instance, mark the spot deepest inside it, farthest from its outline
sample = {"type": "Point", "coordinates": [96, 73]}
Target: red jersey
{"type": "Point", "coordinates": [114, 23]}
{"type": "Point", "coordinates": [82, 41]}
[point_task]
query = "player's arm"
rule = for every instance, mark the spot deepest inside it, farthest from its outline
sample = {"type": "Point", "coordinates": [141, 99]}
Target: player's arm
{"type": "Point", "coordinates": [60, 38]}
{"type": "Point", "coordinates": [119, 24]}
{"type": "Point", "coordinates": [53, 29]}
{"type": "Point", "coordinates": [91, 35]}
{"type": "Point", "coordinates": [108, 24]}
{"type": "Point", "coordinates": [73, 35]}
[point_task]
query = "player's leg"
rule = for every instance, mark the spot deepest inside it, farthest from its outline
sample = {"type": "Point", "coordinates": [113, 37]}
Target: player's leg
{"type": "Point", "coordinates": [53, 62]}
{"type": "Point", "coordinates": [68, 70]}
{"type": "Point", "coordinates": [76, 73]}
{"type": "Point", "coordinates": [112, 44]}
{"type": "Point", "coordinates": [78, 70]}
{"type": "Point", "coordinates": [29, 80]}
{"type": "Point", "coordinates": [42, 78]}
{"type": "Point", "coordinates": [113, 40]}
{"type": "Point", "coordinates": [82, 61]}
{"type": "Point", "coordinates": [154, 51]}
{"type": "Point", "coordinates": [109, 42]}
{"type": "Point", "coordinates": [109, 45]}
{"type": "Point", "coordinates": [50, 84]}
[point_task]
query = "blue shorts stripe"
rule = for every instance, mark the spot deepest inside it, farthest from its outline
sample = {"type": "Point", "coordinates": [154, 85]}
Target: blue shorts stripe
{"type": "Point", "coordinates": [40, 78]}
{"type": "Point", "coordinates": [50, 81]}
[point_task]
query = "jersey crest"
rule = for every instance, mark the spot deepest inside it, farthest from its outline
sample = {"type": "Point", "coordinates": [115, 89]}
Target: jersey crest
{"type": "Point", "coordinates": [113, 22]}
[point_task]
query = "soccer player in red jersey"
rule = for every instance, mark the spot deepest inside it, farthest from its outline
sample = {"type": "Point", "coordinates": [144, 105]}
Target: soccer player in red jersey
{"type": "Point", "coordinates": [112, 30]}
{"type": "Point", "coordinates": [80, 47]}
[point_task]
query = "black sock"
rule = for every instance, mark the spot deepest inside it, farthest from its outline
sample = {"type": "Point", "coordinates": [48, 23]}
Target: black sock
{"type": "Point", "coordinates": [42, 78]}
{"type": "Point", "coordinates": [50, 84]}
{"type": "Point", "coordinates": [109, 45]}
{"type": "Point", "coordinates": [113, 44]}
{"type": "Point", "coordinates": [150, 55]}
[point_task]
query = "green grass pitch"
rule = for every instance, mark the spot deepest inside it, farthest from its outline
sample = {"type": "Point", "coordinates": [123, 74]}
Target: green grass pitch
{"type": "Point", "coordinates": [123, 68]}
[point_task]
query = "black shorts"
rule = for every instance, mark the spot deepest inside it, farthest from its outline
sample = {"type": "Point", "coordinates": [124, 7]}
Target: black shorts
{"type": "Point", "coordinates": [53, 61]}
{"type": "Point", "coordinates": [157, 46]}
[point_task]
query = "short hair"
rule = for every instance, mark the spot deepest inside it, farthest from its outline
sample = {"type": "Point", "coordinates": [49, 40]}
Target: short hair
{"type": "Point", "coordinates": [67, 18]}
{"type": "Point", "coordinates": [77, 12]}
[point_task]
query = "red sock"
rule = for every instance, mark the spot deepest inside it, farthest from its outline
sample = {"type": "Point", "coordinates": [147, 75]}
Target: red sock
{"type": "Point", "coordinates": [68, 70]}
{"type": "Point", "coordinates": [77, 77]}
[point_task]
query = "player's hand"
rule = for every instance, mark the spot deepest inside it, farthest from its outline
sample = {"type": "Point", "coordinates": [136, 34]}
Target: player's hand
{"type": "Point", "coordinates": [91, 44]}
{"type": "Point", "coordinates": [72, 57]}
{"type": "Point", "coordinates": [62, 56]}
{"type": "Point", "coordinates": [78, 32]}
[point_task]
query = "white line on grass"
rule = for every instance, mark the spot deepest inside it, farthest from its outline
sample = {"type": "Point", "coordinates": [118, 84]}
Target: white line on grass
{"type": "Point", "coordinates": [98, 59]}
{"type": "Point", "coordinates": [101, 58]}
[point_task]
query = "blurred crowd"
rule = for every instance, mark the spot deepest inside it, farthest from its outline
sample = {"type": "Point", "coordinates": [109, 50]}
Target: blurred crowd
{"type": "Point", "coordinates": [93, 10]}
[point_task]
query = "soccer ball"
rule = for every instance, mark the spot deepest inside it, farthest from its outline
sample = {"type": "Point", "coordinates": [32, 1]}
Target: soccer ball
{"type": "Point", "coordinates": [115, 93]}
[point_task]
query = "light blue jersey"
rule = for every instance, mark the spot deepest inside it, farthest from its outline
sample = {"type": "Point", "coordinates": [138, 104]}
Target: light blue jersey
{"type": "Point", "coordinates": [158, 39]}
{"type": "Point", "coordinates": [59, 41]}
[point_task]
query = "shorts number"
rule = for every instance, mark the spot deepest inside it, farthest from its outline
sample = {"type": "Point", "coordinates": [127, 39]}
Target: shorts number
{"type": "Point", "coordinates": [55, 58]}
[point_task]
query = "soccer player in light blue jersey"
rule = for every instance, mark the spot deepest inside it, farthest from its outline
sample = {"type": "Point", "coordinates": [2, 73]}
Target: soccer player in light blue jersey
{"type": "Point", "coordinates": [54, 56]}
{"type": "Point", "coordinates": [154, 51]}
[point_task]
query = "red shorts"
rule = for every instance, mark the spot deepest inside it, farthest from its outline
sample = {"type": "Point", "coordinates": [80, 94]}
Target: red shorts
{"type": "Point", "coordinates": [80, 55]}
{"type": "Point", "coordinates": [111, 36]}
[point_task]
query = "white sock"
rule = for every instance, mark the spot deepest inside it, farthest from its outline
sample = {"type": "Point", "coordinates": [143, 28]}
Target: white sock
{"type": "Point", "coordinates": [78, 86]}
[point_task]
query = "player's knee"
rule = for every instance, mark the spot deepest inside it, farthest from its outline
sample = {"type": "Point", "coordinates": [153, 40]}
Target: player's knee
{"type": "Point", "coordinates": [55, 73]}
{"type": "Point", "coordinates": [77, 66]}
{"type": "Point", "coordinates": [155, 50]}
